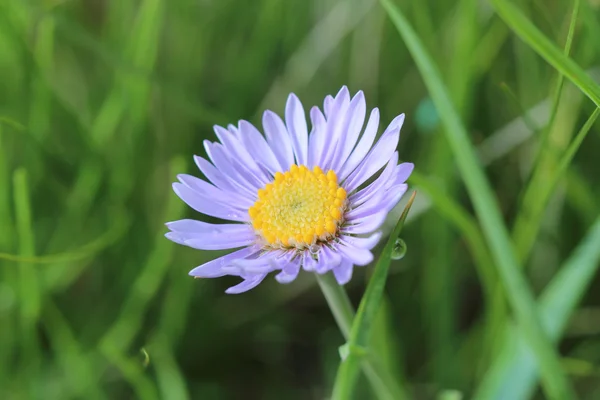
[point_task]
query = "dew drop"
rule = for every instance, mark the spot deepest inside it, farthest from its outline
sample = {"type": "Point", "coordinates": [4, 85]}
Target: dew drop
{"type": "Point", "coordinates": [399, 250]}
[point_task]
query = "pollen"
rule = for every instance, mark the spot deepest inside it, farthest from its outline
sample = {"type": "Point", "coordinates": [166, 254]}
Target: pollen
{"type": "Point", "coordinates": [299, 208]}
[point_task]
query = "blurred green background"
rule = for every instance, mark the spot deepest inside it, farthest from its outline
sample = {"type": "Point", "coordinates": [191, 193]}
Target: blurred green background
{"type": "Point", "coordinates": [103, 102]}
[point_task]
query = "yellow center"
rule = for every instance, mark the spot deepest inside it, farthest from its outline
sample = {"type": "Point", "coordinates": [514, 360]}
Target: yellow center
{"type": "Point", "coordinates": [299, 208]}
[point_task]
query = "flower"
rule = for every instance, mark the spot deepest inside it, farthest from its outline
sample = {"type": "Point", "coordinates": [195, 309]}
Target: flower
{"type": "Point", "coordinates": [296, 200]}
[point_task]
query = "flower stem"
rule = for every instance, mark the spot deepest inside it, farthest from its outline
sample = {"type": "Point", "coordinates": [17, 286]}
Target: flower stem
{"type": "Point", "coordinates": [382, 382]}
{"type": "Point", "coordinates": [338, 302]}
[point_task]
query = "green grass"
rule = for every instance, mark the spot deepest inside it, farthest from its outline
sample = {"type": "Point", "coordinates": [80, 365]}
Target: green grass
{"type": "Point", "coordinates": [102, 103]}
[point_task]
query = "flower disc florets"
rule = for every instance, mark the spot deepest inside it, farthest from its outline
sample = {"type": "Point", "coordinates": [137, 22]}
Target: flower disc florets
{"type": "Point", "coordinates": [299, 208]}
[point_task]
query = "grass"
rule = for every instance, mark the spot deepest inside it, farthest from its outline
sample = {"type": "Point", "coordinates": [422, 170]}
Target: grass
{"type": "Point", "coordinates": [103, 103]}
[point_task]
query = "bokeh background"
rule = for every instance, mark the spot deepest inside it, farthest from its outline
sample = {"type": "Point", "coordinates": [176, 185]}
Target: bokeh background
{"type": "Point", "coordinates": [103, 102]}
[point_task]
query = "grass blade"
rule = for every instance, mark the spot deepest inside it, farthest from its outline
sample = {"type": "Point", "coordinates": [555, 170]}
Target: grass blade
{"type": "Point", "coordinates": [30, 288]}
{"type": "Point", "coordinates": [539, 191]}
{"type": "Point", "coordinates": [546, 49]}
{"type": "Point", "coordinates": [561, 78]}
{"type": "Point", "coordinates": [521, 299]}
{"type": "Point", "coordinates": [514, 374]}
{"type": "Point", "coordinates": [367, 310]}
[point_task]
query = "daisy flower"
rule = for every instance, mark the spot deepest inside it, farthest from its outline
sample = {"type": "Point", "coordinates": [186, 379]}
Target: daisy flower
{"type": "Point", "coordinates": [292, 199]}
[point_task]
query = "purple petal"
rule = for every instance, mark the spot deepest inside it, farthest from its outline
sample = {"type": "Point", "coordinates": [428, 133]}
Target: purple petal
{"type": "Point", "coordinates": [328, 259]}
{"type": "Point", "coordinates": [175, 237]}
{"type": "Point", "coordinates": [278, 138]}
{"type": "Point", "coordinates": [353, 123]}
{"type": "Point", "coordinates": [213, 174]}
{"type": "Point", "coordinates": [363, 146]}
{"type": "Point", "coordinates": [230, 183]}
{"type": "Point", "coordinates": [247, 284]}
{"type": "Point", "coordinates": [316, 139]}
{"type": "Point", "coordinates": [389, 199]}
{"type": "Point", "coordinates": [184, 230]}
{"type": "Point", "coordinates": [377, 185]}
{"type": "Point", "coordinates": [233, 129]}
{"type": "Point", "coordinates": [193, 226]}
{"type": "Point", "coordinates": [223, 163]}
{"type": "Point", "coordinates": [207, 190]}
{"type": "Point", "coordinates": [334, 132]}
{"type": "Point", "coordinates": [289, 271]}
{"type": "Point", "coordinates": [309, 263]}
{"type": "Point", "coordinates": [295, 121]}
{"type": "Point", "coordinates": [401, 174]}
{"type": "Point", "coordinates": [266, 262]}
{"type": "Point", "coordinates": [239, 155]}
{"type": "Point", "coordinates": [214, 268]}
{"type": "Point", "coordinates": [327, 104]}
{"type": "Point", "coordinates": [365, 225]}
{"type": "Point", "coordinates": [343, 272]}
{"type": "Point", "coordinates": [354, 254]}
{"type": "Point", "coordinates": [239, 172]}
{"type": "Point", "coordinates": [343, 94]}
{"type": "Point", "coordinates": [228, 237]}
{"type": "Point", "coordinates": [205, 205]}
{"type": "Point", "coordinates": [257, 147]}
{"type": "Point", "coordinates": [377, 157]}
{"type": "Point", "coordinates": [355, 209]}
{"type": "Point", "coordinates": [362, 242]}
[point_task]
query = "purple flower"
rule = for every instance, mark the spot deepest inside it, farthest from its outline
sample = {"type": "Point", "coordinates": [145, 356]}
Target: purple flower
{"type": "Point", "coordinates": [294, 200]}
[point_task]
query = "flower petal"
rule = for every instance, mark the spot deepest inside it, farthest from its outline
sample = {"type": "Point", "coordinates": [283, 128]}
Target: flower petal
{"type": "Point", "coordinates": [327, 104]}
{"type": "Point", "coordinates": [377, 157]}
{"type": "Point", "coordinates": [389, 199]}
{"type": "Point", "coordinates": [354, 254]}
{"type": "Point", "coordinates": [351, 127]}
{"type": "Point", "coordinates": [203, 204]}
{"type": "Point", "coordinates": [362, 242]}
{"type": "Point", "coordinates": [365, 225]}
{"type": "Point", "coordinates": [217, 153]}
{"type": "Point", "coordinates": [363, 146]}
{"type": "Point", "coordinates": [278, 138]}
{"type": "Point", "coordinates": [309, 263]}
{"type": "Point", "coordinates": [240, 156]}
{"type": "Point", "coordinates": [205, 189]}
{"type": "Point", "coordinates": [328, 259]}
{"type": "Point", "coordinates": [264, 263]}
{"type": "Point", "coordinates": [377, 185]}
{"type": "Point", "coordinates": [214, 268]}
{"type": "Point", "coordinates": [236, 235]}
{"type": "Point", "coordinates": [257, 147]}
{"type": "Point", "coordinates": [289, 271]}
{"type": "Point", "coordinates": [343, 272]}
{"type": "Point", "coordinates": [401, 173]}
{"type": "Point", "coordinates": [335, 123]}
{"type": "Point", "coordinates": [295, 121]}
{"type": "Point", "coordinates": [248, 283]}
{"type": "Point", "coordinates": [316, 139]}
{"type": "Point", "coordinates": [213, 174]}
{"type": "Point", "coordinates": [224, 236]}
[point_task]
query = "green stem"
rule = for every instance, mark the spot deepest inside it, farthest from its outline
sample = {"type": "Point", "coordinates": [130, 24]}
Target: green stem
{"type": "Point", "coordinates": [338, 302]}
{"type": "Point", "coordinates": [382, 381]}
